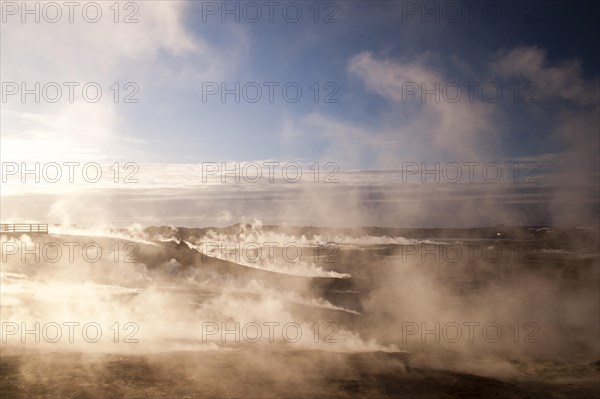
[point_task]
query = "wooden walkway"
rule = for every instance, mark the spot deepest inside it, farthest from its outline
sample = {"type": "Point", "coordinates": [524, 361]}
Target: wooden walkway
{"type": "Point", "coordinates": [24, 228]}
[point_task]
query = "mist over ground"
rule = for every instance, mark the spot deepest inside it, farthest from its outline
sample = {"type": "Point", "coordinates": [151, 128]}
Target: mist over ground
{"type": "Point", "coordinates": [383, 312]}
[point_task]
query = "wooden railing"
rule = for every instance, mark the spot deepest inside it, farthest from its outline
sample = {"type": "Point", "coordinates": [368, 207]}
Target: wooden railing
{"type": "Point", "coordinates": [24, 228]}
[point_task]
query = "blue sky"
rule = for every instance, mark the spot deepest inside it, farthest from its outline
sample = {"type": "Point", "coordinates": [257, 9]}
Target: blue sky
{"type": "Point", "coordinates": [307, 52]}
{"type": "Point", "coordinates": [365, 58]}
{"type": "Point", "coordinates": [173, 124]}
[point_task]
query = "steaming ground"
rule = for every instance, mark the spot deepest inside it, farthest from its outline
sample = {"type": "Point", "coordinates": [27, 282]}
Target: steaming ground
{"type": "Point", "coordinates": [370, 312]}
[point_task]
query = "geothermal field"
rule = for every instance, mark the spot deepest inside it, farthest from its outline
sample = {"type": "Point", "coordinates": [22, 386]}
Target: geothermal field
{"type": "Point", "coordinates": [299, 199]}
{"type": "Point", "coordinates": [271, 312]}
